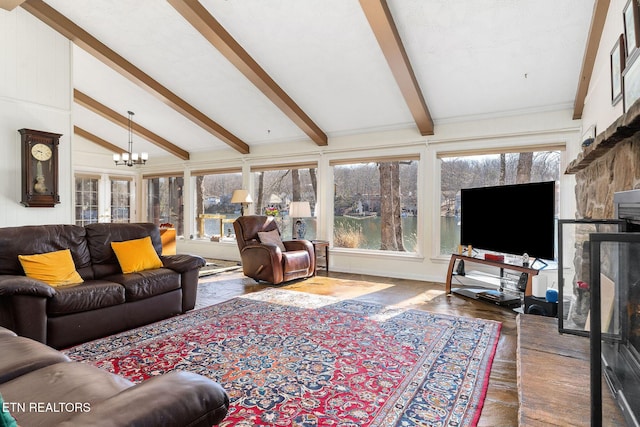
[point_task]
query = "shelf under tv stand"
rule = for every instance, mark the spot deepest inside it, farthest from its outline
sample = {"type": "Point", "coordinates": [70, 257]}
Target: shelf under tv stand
{"type": "Point", "coordinates": [498, 264]}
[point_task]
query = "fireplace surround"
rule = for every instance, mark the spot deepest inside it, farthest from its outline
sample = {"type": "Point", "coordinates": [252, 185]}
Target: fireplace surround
{"type": "Point", "coordinates": [615, 325]}
{"type": "Point", "coordinates": [608, 167]}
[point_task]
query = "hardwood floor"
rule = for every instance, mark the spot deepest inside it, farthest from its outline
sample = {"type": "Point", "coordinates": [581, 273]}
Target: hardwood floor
{"type": "Point", "coordinates": [501, 404]}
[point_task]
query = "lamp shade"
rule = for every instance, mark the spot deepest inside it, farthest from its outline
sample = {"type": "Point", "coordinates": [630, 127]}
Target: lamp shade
{"type": "Point", "coordinates": [299, 209]}
{"type": "Point", "coordinates": [241, 196]}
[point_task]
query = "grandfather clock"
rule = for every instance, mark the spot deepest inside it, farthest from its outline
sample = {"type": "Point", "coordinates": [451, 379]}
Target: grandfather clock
{"type": "Point", "coordinates": [39, 168]}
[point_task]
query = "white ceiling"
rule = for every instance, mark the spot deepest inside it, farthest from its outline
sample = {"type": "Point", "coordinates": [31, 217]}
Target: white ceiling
{"type": "Point", "coordinates": [471, 58]}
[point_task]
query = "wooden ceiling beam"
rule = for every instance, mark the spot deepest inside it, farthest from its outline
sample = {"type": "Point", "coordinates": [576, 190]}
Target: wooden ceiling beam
{"type": "Point", "coordinates": [10, 4]}
{"type": "Point", "coordinates": [386, 32]}
{"type": "Point", "coordinates": [97, 140]}
{"type": "Point", "coordinates": [86, 41]}
{"type": "Point", "coordinates": [598, 18]}
{"type": "Point", "coordinates": [210, 28]}
{"type": "Point", "coordinates": [109, 114]}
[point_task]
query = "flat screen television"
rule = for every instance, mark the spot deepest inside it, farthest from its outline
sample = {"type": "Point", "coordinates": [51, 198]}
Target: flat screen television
{"type": "Point", "coordinates": [510, 219]}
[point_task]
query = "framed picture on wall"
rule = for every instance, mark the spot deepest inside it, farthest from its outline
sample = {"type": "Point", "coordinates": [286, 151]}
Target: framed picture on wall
{"type": "Point", "coordinates": [617, 59]}
{"type": "Point", "coordinates": [631, 16]}
{"type": "Point", "coordinates": [631, 81]}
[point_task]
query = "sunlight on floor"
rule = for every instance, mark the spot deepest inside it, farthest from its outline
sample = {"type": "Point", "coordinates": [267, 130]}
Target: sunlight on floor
{"type": "Point", "coordinates": [422, 298]}
{"type": "Point", "coordinates": [346, 289]}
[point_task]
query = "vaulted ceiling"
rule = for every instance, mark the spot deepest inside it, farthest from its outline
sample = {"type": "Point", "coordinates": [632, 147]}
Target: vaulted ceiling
{"type": "Point", "coordinates": [234, 74]}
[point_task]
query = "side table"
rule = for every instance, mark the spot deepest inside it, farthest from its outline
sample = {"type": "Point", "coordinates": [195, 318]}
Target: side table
{"type": "Point", "coordinates": [318, 246]}
{"type": "Point", "coordinates": [168, 237]}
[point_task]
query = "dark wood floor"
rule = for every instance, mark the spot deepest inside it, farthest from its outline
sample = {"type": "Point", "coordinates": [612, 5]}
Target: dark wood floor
{"type": "Point", "coordinates": [501, 404]}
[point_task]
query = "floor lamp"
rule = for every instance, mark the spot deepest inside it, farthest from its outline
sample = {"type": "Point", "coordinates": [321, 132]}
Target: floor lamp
{"type": "Point", "coordinates": [298, 211]}
{"type": "Point", "coordinates": [243, 197]}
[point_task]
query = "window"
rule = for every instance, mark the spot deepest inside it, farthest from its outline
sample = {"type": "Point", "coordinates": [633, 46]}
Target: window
{"type": "Point", "coordinates": [120, 200]}
{"type": "Point", "coordinates": [164, 201]}
{"type": "Point", "coordinates": [86, 200]}
{"type": "Point", "coordinates": [214, 211]}
{"type": "Point", "coordinates": [275, 189]}
{"type": "Point", "coordinates": [462, 171]}
{"type": "Point", "coordinates": [375, 204]}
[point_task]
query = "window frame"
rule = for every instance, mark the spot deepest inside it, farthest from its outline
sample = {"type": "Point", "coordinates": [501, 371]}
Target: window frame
{"type": "Point", "coordinates": [486, 151]}
{"type": "Point", "coordinates": [131, 197]}
{"type": "Point", "coordinates": [146, 178]}
{"type": "Point", "coordinates": [97, 178]}
{"type": "Point", "coordinates": [284, 221]}
{"type": "Point", "coordinates": [225, 223]}
{"type": "Point", "coordinates": [384, 155]}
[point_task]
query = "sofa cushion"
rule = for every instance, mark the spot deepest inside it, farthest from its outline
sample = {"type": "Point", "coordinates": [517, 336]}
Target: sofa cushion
{"type": "Point", "coordinates": [54, 268]}
{"type": "Point", "coordinates": [273, 237]}
{"type": "Point", "coordinates": [65, 383]}
{"type": "Point", "coordinates": [136, 255]}
{"type": "Point", "coordinates": [38, 239]}
{"type": "Point", "coordinates": [296, 261]}
{"type": "Point", "coordinates": [21, 355]}
{"type": "Point", "coordinates": [145, 284]}
{"type": "Point", "coordinates": [90, 295]}
{"type": "Point", "coordinates": [100, 236]}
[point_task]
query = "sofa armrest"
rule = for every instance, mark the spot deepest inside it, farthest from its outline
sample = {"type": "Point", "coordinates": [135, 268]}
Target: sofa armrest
{"type": "Point", "coordinates": [189, 268]}
{"type": "Point", "coordinates": [268, 252]}
{"type": "Point", "coordinates": [262, 261]}
{"type": "Point", "coordinates": [182, 263]}
{"type": "Point", "coordinates": [299, 245]}
{"type": "Point", "coordinates": [22, 285]}
{"type": "Point", "coordinates": [174, 399]}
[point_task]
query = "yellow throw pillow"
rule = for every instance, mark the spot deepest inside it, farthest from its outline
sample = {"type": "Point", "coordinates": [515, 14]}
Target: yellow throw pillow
{"type": "Point", "coordinates": [136, 255]}
{"type": "Point", "coordinates": [54, 268]}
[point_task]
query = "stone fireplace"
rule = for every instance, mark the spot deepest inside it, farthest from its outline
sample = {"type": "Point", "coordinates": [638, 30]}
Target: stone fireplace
{"type": "Point", "coordinates": [610, 164]}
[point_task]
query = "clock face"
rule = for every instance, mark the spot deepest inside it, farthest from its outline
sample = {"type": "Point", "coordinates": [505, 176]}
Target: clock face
{"type": "Point", "coordinates": [41, 152]}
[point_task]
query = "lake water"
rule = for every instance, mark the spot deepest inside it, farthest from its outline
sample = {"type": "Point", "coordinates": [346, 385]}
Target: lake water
{"type": "Point", "coordinates": [449, 234]}
{"type": "Point", "coordinates": [370, 229]}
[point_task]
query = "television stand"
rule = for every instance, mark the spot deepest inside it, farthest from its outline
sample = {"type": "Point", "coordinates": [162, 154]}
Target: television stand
{"type": "Point", "coordinates": [493, 263]}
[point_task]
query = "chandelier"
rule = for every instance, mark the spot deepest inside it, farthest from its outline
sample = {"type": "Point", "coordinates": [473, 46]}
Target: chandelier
{"type": "Point", "coordinates": [130, 158]}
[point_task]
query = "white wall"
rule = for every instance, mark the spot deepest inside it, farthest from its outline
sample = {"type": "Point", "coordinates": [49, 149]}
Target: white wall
{"type": "Point", "coordinates": [598, 110]}
{"type": "Point", "coordinates": [35, 93]}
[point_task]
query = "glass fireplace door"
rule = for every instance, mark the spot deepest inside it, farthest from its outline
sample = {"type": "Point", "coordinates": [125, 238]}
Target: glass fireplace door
{"type": "Point", "coordinates": [574, 270]}
{"type": "Point", "coordinates": [614, 322]}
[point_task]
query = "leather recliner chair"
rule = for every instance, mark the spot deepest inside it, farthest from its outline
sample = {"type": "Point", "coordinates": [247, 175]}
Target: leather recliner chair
{"type": "Point", "coordinates": [266, 261]}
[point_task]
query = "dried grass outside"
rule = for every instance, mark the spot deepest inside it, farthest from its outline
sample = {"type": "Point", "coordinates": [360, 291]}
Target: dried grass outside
{"type": "Point", "coordinates": [348, 237]}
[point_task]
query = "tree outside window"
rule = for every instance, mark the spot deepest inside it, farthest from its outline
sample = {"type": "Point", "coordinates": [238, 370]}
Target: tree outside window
{"type": "Point", "coordinates": [458, 172]}
{"type": "Point", "coordinates": [120, 200]}
{"type": "Point", "coordinates": [275, 189]}
{"type": "Point", "coordinates": [375, 205]}
{"type": "Point", "coordinates": [164, 201]}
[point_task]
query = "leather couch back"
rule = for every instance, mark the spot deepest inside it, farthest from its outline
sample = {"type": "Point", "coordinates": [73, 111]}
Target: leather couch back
{"type": "Point", "coordinates": [38, 239]}
{"type": "Point", "coordinates": [90, 245]}
{"type": "Point", "coordinates": [100, 236]}
{"type": "Point", "coordinates": [247, 228]}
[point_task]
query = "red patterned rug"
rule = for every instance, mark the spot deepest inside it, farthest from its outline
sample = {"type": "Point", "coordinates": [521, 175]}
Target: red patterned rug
{"type": "Point", "coordinates": [288, 358]}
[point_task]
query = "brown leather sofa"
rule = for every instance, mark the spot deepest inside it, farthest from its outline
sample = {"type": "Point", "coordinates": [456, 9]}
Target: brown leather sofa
{"type": "Point", "coordinates": [42, 387]}
{"type": "Point", "coordinates": [108, 301]}
{"type": "Point", "coordinates": [266, 261]}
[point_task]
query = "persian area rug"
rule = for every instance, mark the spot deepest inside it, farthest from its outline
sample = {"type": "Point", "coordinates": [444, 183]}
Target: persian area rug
{"type": "Point", "coordinates": [288, 358]}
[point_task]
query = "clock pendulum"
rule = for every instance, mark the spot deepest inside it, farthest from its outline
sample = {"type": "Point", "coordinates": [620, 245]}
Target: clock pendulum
{"type": "Point", "coordinates": [41, 153]}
